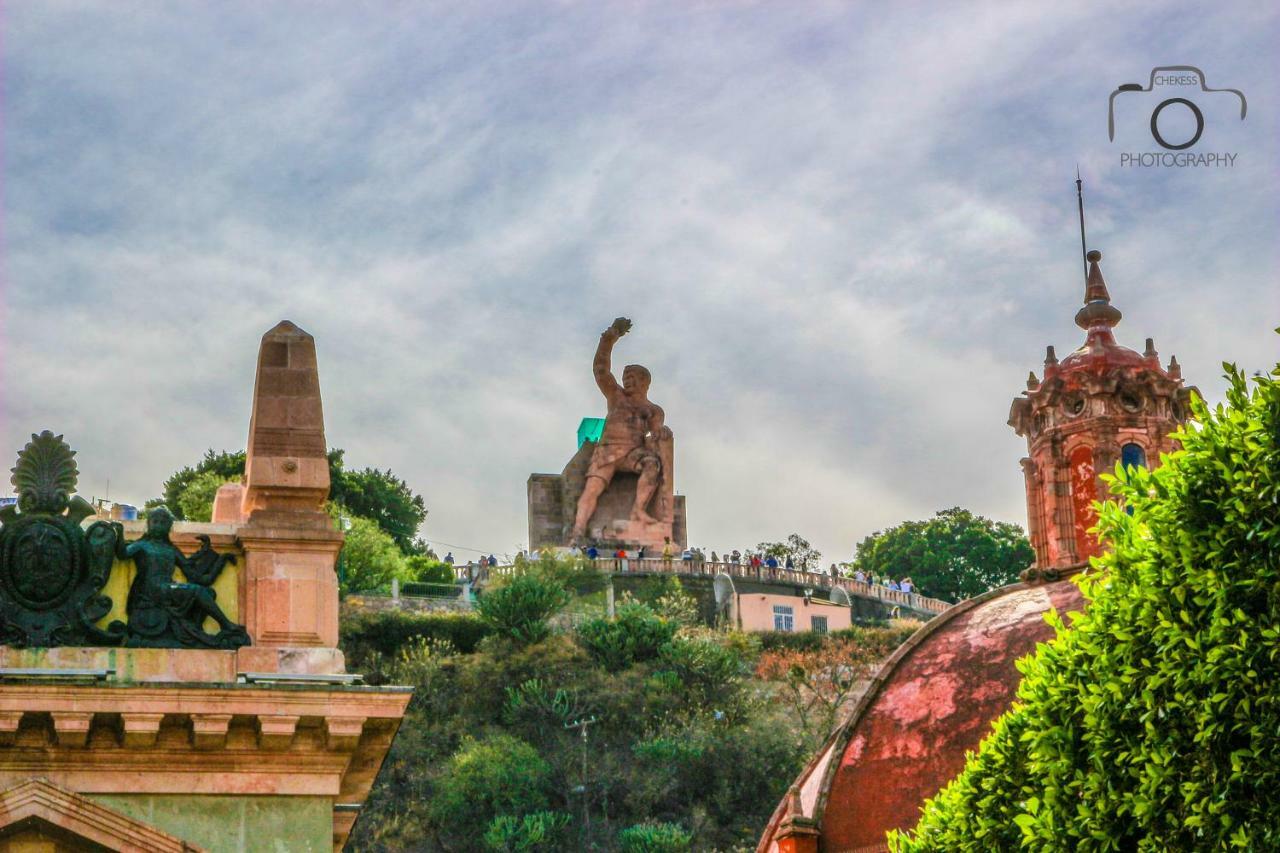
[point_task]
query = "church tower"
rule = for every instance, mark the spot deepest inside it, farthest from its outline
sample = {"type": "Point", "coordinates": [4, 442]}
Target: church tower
{"type": "Point", "coordinates": [1100, 405]}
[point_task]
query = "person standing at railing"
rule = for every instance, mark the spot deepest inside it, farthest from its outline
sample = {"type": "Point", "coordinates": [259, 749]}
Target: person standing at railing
{"type": "Point", "coordinates": [448, 558]}
{"type": "Point", "coordinates": [906, 585]}
{"type": "Point", "coordinates": [791, 563]}
{"type": "Point", "coordinates": [668, 552]}
{"type": "Point", "coordinates": [593, 553]}
{"type": "Point", "coordinates": [735, 558]}
{"type": "Point", "coordinates": [714, 558]}
{"type": "Point", "coordinates": [860, 576]}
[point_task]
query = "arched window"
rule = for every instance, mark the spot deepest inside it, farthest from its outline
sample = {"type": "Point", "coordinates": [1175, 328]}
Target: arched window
{"type": "Point", "coordinates": [1133, 456]}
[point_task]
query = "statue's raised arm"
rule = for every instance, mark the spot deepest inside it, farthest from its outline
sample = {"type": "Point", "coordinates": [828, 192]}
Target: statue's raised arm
{"type": "Point", "coordinates": [601, 366]}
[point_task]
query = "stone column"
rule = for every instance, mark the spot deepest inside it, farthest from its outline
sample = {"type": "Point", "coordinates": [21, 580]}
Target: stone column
{"type": "Point", "coordinates": [291, 546]}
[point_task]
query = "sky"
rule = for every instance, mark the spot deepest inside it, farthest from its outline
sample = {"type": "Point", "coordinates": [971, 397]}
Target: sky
{"type": "Point", "coordinates": [844, 232]}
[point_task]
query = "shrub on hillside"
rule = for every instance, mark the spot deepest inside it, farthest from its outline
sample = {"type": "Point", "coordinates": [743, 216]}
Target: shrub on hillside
{"type": "Point", "coordinates": [535, 831]}
{"type": "Point", "coordinates": [370, 640]}
{"type": "Point", "coordinates": [651, 837]}
{"type": "Point", "coordinates": [499, 775]}
{"type": "Point", "coordinates": [519, 608]}
{"type": "Point", "coordinates": [637, 634]}
{"type": "Point", "coordinates": [1151, 722]}
{"type": "Point", "coordinates": [428, 570]}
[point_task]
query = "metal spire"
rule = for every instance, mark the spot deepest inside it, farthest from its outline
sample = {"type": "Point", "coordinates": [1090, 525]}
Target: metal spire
{"type": "Point", "coordinates": [1084, 256]}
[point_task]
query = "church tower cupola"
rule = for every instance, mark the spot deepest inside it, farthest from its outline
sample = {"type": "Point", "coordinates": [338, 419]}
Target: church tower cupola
{"type": "Point", "coordinates": [1102, 404]}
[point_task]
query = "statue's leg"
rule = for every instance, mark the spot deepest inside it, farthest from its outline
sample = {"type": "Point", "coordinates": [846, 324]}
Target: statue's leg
{"type": "Point", "coordinates": [591, 491]}
{"type": "Point", "coordinates": [207, 606]}
{"type": "Point", "coordinates": [650, 470]}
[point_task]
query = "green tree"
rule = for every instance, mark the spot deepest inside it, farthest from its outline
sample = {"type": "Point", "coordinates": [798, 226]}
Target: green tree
{"type": "Point", "coordinates": [428, 570]}
{"type": "Point", "coordinates": [196, 500]}
{"type": "Point", "coordinates": [796, 547]}
{"type": "Point", "coordinates": [499, 775]}
{"type": "Point", "coordinates": [954, 555]}
{"type": "Point", "coordinates": [227, 466]}
{"type": "Point", "coordinates": [381, 496]}
{"type": "Point", "coordinates": [636, 634]}
{"type": "Point", "coordinates": [367, 493]}
{"type": "Point", "coordinates": [370, 558]}
{"type": "Point", "coordinates": [519, 609]}
{"type": "Point", "coordinates": [1150, 722]}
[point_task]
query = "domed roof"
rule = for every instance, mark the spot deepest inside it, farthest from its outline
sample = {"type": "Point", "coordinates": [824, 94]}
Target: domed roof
{"type": "Point", "coordinates": [932, 701]}
{"type": "Point", "coordinates": [1098, 317]}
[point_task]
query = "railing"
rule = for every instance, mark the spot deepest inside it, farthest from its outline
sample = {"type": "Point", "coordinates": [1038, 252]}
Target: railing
{"type": "Point", "coordinates": [743, 571]}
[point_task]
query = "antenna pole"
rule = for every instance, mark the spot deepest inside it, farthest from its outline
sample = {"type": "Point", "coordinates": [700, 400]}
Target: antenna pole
{"type": "Point", "coordinates": [1080, 201]}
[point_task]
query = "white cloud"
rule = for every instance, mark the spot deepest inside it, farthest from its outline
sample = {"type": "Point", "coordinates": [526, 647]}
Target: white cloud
{"type": "Point", "coordinates": [845, 233]}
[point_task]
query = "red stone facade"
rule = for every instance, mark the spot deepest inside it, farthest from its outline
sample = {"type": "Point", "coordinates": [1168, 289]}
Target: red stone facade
{"type": "Point", "coordinates": [1079, 420]}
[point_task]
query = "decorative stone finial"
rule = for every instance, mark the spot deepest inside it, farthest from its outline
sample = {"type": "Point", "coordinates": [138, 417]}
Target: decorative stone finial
{"type": "Point", "coordinates": [1150, 351]}
{"type": "Point", "coordinates": [286, 470]}
{"type": "Point", "coordinates": [1032, 382]}
{"type": "Point", "coordinates": [1175, 369]}
{"type": "Point", "coordinates": [1050, 357]}
{"type": "Point", "coordinates": [1098, 314]}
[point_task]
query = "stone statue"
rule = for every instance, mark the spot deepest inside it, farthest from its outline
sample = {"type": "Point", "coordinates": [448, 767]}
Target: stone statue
{"type": "Point", "coordinates": [635, 440]}
{"type": "Point", "coordinates": [166, 614]}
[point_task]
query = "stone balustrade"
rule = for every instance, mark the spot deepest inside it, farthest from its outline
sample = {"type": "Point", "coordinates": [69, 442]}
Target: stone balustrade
{"type": "Point", "coordinates": [479, 575]}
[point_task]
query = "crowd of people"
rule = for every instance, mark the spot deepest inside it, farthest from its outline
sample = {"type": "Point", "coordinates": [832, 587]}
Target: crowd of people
{"type": "Point", "coordinates": [761, 562]}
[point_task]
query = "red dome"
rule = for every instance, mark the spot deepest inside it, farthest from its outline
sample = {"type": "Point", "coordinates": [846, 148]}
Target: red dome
{"type": "Point", "coordinates": [932, 701]}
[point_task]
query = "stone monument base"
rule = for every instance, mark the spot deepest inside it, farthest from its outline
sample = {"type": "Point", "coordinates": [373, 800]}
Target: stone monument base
{"type": "Point", "coordinates": [553, 501]}
{"type": "Point", "coordinates": [178, 741]}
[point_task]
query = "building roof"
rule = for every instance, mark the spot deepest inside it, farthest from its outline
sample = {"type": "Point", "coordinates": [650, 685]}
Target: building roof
{"type": "Point", "coordinates": [932, 701]}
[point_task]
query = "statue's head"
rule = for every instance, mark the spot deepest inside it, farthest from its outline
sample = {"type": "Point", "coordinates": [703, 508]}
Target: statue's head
{"type": "Point", "coordinates": [159, 522]}
{"type": "Point", "coordinates": [635, 379]}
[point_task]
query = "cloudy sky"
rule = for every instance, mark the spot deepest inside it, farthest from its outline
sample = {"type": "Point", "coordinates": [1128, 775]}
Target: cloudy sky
{"type": "Point", "coordinates": [844, 231]}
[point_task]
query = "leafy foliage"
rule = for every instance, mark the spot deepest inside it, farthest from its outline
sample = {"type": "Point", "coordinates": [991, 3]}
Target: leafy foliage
{"type": "Point", "coordinates": [370, 640]}
{"type": "Point", "coordinates": [796, 547]}
{"type": "Point", "coordinates": [519, 608]}
{"type": "Point", "coordinates": [636, 634]}
{"type": "Point", "coordinates": [952, 556]}
{"type": "Point", "coordinates": [534, 831]}
{"type": "Point", "coordinates": [817, 684]}
{"type": "Point", "coordinates": [196, 500]}
{"type": "Point", "coordinates": [369, 558]}
{"type": "Point", "coordinates": [681, 735]}
{"type": "Point", "coordinates": [425, 569]}
{"type": "Point", "coordinates": [499, 775]}
{"type": "Point", "coordinates": [380, 496]}
{"type": "Point", "coordinates": [367, 493]}
{"type": "Point", "coordinates": [652, 837]}
{"type": "Point", "coordinates": [1150, 722]}
{"type": "Point", "coordinates": [227, 466]}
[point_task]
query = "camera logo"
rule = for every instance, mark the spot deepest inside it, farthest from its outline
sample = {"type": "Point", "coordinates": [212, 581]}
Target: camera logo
{"type": "Point", "coordinates": [1183, 82]}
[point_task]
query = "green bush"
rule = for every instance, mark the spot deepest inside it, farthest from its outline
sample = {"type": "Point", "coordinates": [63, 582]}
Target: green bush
{"type": "Point", "coordinates": [535, 831]}
{"type": "Point", "coordinates": [370, 639]}
{"type": "Point", "coordinates": [196, 501]}
{"type": "Point", "coordinates": [1150, 723]}
{"type": "Point", "coordinates": [637, 634]}
{"type": "Point", "coordinates": [370, 558]}
{"type": "Point", "coordinates": [518, 609]}
{"type": "Point", "coordinates": [428, 570]}
{"type": "Point", "coordinates": [655, 838]}
{"type": "Point", "coordinates": [500, 775]}
{"type": "Point", "coordinates": [433, 590]}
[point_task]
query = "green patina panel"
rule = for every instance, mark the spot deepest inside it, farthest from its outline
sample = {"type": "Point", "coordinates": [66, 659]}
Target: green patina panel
{"type": "Point", "coordinates": [234, 823]}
